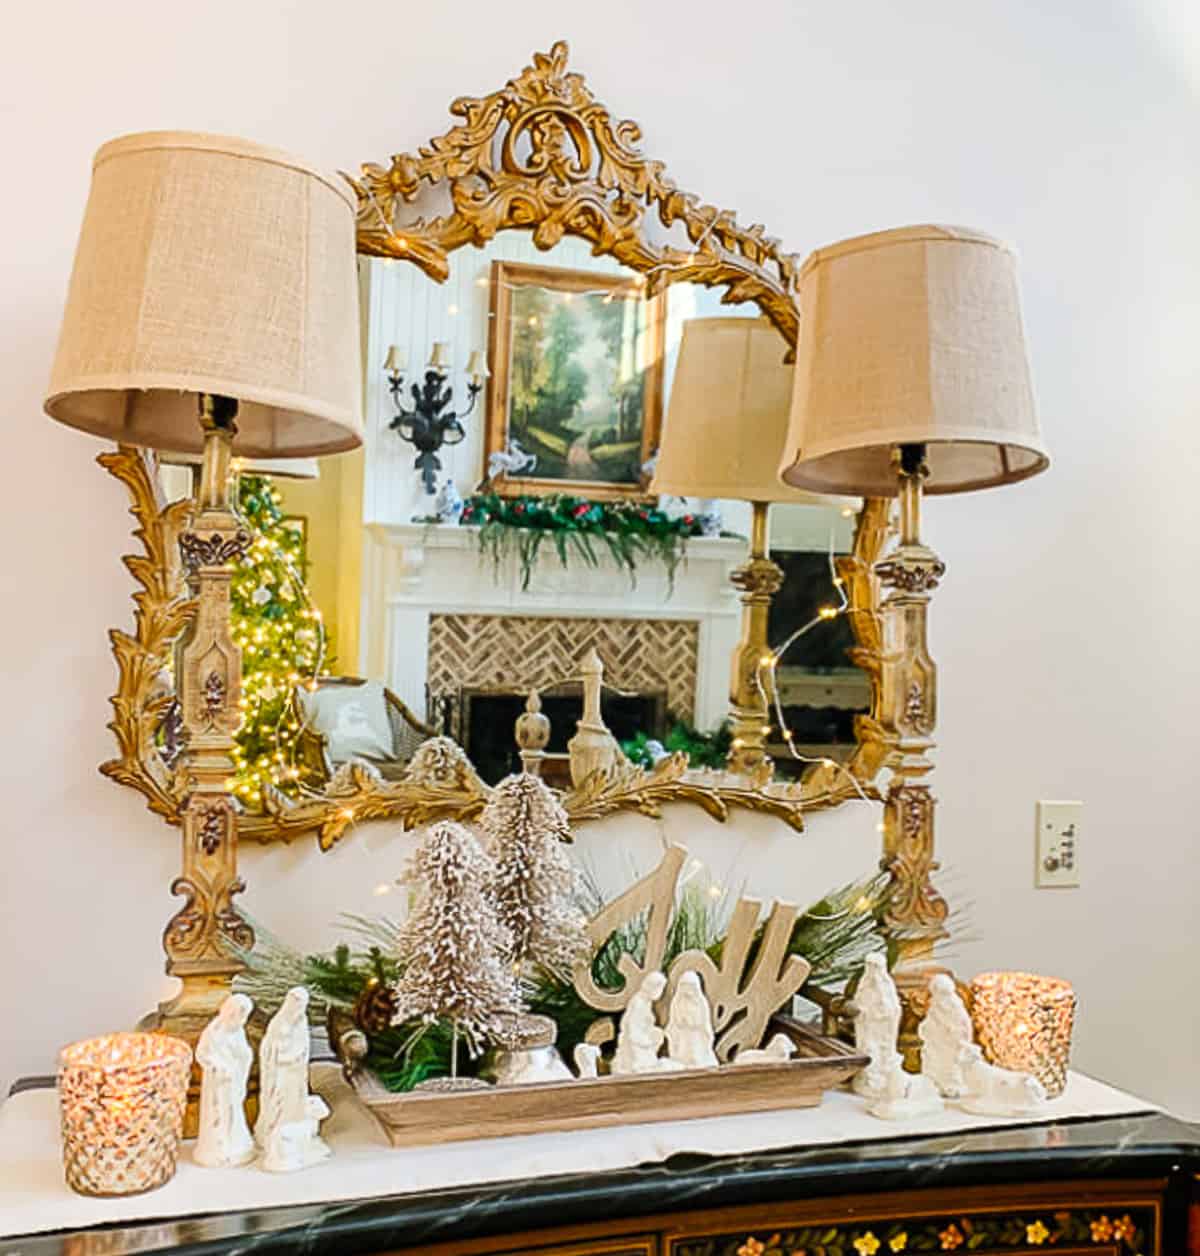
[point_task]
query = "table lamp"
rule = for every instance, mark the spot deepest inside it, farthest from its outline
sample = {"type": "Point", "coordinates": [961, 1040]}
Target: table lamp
{"type": "Point", "coordinates": [911, 377]}
{"type": "Point", "coordinates": [725, 426]}
{"type": "Point", "coordinates": [212, 309]}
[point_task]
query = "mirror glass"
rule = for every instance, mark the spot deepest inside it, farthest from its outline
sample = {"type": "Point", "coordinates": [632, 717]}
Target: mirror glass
{"type": "Point", "coordinates": [554, 370]}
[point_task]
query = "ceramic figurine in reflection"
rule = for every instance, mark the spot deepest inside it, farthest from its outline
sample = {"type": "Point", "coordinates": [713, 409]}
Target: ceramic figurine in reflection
{"type": "Point", "coordinates": [225, 1056]}
{"type": "Point", "coordinates": [640, 1039]}
{"type": "Point", "coordinates": [992, 1091]}
{"type": "Point", "coordinates": [510, 461]}
{"type": "Point", "coordinates": [587, 1060]}
{"type": "Point", "coordinates": [876, 1026]}
{"type": "Point", "coordinates": [689, 1025]}
{"type": "Point", "coordinates": [448, 505]}
{"type": "Point", "coordinates": [708, 515]}
{"type": "Point", "coordinates": [283, 1070]}
{"type": "Point", "coordinates": [778, 1051]}
{"type": "Point", "coordinates": [944, 1032]}
{"type": "Point", "coordinates": [296, 1144]}
{"type": "Point", "coordinates": [904, 1095]}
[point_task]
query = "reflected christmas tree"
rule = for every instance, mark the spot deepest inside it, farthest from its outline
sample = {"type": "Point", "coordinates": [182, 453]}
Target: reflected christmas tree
{"type": "Point", "coordinates": [282, 638]}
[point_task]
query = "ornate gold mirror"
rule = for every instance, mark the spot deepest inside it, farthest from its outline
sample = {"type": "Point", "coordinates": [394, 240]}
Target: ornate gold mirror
{"type": "Point", "coordinates": [534, 367]}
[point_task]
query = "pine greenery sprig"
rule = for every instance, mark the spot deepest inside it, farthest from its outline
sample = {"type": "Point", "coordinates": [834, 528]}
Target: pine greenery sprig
{"type": "Point", "coordinates": [401, 1056]}
{"type": "Point", "coordinates": [629, 532]}
{"type": "Point", "coordinates": [704, 750]}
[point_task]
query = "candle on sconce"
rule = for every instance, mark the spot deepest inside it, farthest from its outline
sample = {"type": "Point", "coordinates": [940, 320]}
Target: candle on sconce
{"type": "Point", "coordinates": [121, 1102]}
{"type": "Point", "coordinates": [439, 356]}
{"type": "Point", "coordinates": [1024, 1022]}
{"type": "Point", "coordinates": [396, 362]}
{"type": "Point", "coordinates": [477, 367]}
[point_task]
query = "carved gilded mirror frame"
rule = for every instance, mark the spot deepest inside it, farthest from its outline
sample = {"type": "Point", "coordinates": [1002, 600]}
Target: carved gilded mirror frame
{"type": "Point", "coordinates": [543, 156]}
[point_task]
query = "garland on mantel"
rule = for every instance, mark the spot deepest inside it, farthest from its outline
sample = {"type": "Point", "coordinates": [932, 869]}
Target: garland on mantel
{"type": "Point", "coordinates": [578, 528]}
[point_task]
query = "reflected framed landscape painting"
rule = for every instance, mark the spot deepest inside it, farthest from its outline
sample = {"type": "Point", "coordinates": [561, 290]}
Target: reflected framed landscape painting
{"type": "Point", "coordinates": [575, 395]}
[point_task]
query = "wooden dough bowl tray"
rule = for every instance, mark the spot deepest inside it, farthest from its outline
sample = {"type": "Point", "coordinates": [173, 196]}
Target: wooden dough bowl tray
{"type": "Point", "coordinates": [415, 1119]}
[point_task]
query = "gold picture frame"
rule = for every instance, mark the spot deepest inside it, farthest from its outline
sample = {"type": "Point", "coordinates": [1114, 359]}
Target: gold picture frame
{"type": "Point", "coordinates": [517, 327]}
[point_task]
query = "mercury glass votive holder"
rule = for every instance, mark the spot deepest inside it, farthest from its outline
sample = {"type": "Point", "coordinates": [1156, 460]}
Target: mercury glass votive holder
{"type": "Point", "coordinates": [1024, 1022]}
{"type": "Point", "coordinates": [121, 1099]}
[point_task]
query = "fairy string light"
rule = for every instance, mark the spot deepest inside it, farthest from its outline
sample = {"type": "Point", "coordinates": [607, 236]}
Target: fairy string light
{"type": "Point", "coordinates": [765, 676]}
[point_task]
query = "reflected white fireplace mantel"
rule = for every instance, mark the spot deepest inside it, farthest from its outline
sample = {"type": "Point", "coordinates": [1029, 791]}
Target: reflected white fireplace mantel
{"type": "Point", "coordinates": [412, 571]}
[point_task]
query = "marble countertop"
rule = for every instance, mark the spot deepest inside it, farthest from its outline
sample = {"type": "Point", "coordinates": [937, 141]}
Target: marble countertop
{"type": "Point", "coordinates": [1137, 1146]}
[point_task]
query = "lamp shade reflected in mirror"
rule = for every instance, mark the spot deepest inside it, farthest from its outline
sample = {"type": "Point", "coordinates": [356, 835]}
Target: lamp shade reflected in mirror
{"type": "Point", "coordinates": [728, 414]}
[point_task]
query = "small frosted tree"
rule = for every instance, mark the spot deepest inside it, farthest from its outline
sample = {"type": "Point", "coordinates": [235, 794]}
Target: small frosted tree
{"type": "Point", "coordinates": [524, 828]}
{"type": "Point", "coordinates": [453, 947]}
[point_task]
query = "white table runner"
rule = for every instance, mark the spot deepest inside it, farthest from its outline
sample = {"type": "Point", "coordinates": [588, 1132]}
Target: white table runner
{"type": "Point", "coordinates": [35, 1199]}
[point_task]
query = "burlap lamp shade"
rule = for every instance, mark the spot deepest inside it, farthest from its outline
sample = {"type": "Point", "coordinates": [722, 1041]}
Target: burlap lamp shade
{"type": "Point", "coordinates": [209, 265]}
{"type": "Point", "coordinates": [911, 336]}
{"type": "Point", "coordinates": [727, 415]}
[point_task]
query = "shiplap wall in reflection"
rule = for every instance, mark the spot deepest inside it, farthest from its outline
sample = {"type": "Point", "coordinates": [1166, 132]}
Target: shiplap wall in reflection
{"type": "Point", "coordinates": [408, 309]}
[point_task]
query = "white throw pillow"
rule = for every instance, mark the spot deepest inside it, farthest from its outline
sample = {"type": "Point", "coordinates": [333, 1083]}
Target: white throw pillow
{"type": "Point", "coordinates": [353, 718]}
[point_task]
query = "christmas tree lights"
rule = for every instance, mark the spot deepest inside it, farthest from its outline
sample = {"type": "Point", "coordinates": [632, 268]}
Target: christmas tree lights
{"type": "Point", "coordinates": [282, 638]}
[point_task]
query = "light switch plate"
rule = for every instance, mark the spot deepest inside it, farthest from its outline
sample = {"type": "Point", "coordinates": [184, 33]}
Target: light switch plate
{"type": "Point", "coordinates": [1056, 849]}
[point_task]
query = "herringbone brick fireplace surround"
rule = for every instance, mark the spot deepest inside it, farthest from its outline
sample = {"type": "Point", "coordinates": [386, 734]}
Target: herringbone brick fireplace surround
{"type": "Point", "coordinates": [516, 653]}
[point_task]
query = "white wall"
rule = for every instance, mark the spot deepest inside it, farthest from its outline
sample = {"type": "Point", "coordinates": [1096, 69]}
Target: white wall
{"type": "Point", "coordinates": [1066, 626]}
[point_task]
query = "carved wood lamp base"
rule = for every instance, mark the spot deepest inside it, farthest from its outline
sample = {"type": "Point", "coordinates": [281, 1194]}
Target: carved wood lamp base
{"type": "Point", "coordinates": [201, 938]}
{"type": "Point", "coordinates": [758, 579]}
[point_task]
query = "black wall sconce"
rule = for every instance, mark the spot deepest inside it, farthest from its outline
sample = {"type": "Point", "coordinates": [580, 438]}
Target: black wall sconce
{"type": "Point", "coordinates": [429, 424]}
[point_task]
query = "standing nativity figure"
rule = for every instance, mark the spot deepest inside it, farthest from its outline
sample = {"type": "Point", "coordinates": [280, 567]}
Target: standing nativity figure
{"type": "Point", "coordinates": [876, 1027]}
{"type": "Point", "coordinates": [225, 1057]}
{"type": "Point", "coordinates": [524, 830]}
{"type": "Point", "coordinates": [689, 1025]}
{"type": "Point", "coordinates": [945, 1032]}
{"type": "Point", "coordinates": [453, 950]}
{"type": "Point", "coordinates": [283, 1101]}
{"type": "Point", "coordinates": [640, 1038]}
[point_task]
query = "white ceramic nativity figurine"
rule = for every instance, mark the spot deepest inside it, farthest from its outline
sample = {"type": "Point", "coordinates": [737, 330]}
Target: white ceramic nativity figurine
{"type": "Point", "coordinates": [944, 1032]}
{"type": "Point", "coordinates": [904, 1095]}
{"type": "Point", "coordinates": [225, 1057]}
{"type": "Point", "coordinates": [876, 1027]}
{"type": "Point", "coordinates": [640, 1038]}
{"type": "Point", "coordinates": [993, 1091]}
{"type": "Point", "coordinates": [587, 1060]}
{"type": "Point", "coordinates": [778, 1051]}
{"type": "Point", "coordinates": [689, 1025]}
{"type": "Point", "coordinates": [296, 1144]}
{"type": "Point", "coordinates": [283, 1096]}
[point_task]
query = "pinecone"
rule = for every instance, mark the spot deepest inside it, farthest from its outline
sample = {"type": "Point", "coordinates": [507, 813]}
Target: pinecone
{"type": "Point", "coordinates": [374, 1007]}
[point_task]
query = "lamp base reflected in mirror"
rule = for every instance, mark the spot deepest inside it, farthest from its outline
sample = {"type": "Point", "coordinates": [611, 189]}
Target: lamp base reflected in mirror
{"type": "Point", "coordinates": [758, 579]}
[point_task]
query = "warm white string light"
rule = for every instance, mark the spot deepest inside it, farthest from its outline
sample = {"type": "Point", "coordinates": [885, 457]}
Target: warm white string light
{"type": "Point", "coordinates": [769, 662]}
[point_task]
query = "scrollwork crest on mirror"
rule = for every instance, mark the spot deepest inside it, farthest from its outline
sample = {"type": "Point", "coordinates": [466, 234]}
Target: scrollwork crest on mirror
{"type": "Point", "coordinates": [583, 176]}
{"type": "Point", "coordinates": [542, 156]}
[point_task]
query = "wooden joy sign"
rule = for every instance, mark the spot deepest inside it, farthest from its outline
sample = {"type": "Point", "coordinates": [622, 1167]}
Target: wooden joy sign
{"type": "Point", "coordinates": [742, 1002]}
